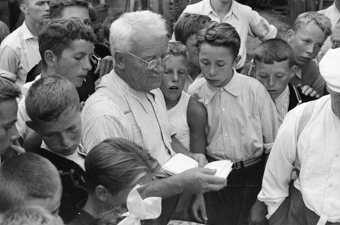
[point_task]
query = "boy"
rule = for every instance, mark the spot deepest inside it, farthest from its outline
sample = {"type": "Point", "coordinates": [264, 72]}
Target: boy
{"type": "Point", "coordinates": [65, 47]}
{"type": "Point", "coordinates": [187, 115]}
{"type": "Point", "coordinates": [242, 123]}
{"type": "Point", "coordinates": [185, 31]}
{"type": "Point", "coordinates": [274, 67]}
{"type": "Point", "coordinates": [9, 92]}
{"type": "Point", "coordinates": [306, 37]}
{"type": "Point", "coordinates": [53, 105]}
{"type": "Point", "coordinates": [245, 20]}
{"type": "Point", "coordinates": [29, 180]}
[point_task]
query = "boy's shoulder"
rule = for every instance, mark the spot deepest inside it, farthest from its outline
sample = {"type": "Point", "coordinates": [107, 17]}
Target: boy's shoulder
{"type": "Point", "coordinates": [197, 85]}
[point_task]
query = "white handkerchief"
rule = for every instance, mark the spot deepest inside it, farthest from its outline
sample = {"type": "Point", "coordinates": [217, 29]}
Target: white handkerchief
{"type": "Point", "coordinates": [222, 167]}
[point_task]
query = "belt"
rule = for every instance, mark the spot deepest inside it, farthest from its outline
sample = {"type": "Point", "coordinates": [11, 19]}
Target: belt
{"type": "Point", "coordinates": [247, 163]}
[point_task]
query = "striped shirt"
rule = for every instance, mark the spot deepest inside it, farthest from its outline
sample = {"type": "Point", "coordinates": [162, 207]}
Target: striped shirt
{"type": "Point", "coordinates": [282, 103]}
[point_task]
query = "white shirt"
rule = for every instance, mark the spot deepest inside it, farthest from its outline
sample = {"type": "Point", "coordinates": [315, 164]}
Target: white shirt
{"type": "Point", "coordinates": [103, 118]}
{"type": "Point", "coordinates": [19, 53]}
{"type": "Point", "coordinates": [245, 20]}
{"type": "Point", "coordinates": [282, 103]}
{"type": "Point", "coordinates": [319, 153]}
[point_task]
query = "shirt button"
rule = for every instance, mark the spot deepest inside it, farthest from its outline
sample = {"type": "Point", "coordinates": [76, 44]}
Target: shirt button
{"type": "Point", "coordinates": [226, 134]}
{"type": "Point", "coordinates": [330, 185]}
{"type": "Point", "coordinates": [337, 155]}
{"type": "Point", "coordinates": [72, 171]}
{"type": "Point", "coordinates": [76, 182]}
{"type": "Point", "coordinates": [223, 110]}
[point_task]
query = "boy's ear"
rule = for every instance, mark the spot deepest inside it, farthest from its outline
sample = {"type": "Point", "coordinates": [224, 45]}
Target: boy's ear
{"type": "Point", "coordinates": [293, 71]}
{"type": "Point", "coordinates": [119, 60]}
{"type": "Point", "coordinates": [291, 34]}
{"type": "Point", "coordinates": [31, 125]}
{"type": "Point", "coordinates": [50, 58]}
{"type": "Point", "coordinates": [236, 61]}
{"type": "Point", "coordinates": [102, 193]}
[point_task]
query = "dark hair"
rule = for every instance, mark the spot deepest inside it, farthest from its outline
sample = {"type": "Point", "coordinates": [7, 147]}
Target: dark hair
{"type": "Point", "coordinates": [220, 34]}
{"type": "Point", "coordinates": [189, 24]}
{"type": "Point", "coordinates": [8, 90]}
{"type": "Point", "coordinates": [57, 6]}
{"type": "Point", "coordinates": [57, 35]}
{"type": "Point", "coordinates": [49, 97]}
{"type": "Point", "coordinates": [107, 24]}
{"type": "Point", "coordinates": [27, 176]}
{"type": "Point", "coordinates": [274, 50]}
{"type": "Point", "coordinates": [117, 163]}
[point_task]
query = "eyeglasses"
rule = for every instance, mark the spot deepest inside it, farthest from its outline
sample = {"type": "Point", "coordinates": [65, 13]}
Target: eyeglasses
{"type": "Point", "coordinates": [153, 63]}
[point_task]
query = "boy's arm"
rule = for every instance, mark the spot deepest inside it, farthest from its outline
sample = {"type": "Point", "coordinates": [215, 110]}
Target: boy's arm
{"type": "Point", "coordinates": [276, 179]}
{"type": "Point", "coordinates": [260, 27]}
{"type": "Point", "coordinates": [197, 119]}
{"type": "Point", "coordinates": [9, 62]}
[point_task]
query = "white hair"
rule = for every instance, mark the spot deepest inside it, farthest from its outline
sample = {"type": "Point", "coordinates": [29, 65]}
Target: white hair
{"type": "Point", "coordinates": [135, 27]}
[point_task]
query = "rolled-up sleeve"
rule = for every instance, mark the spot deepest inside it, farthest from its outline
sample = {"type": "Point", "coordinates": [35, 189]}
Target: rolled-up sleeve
{"type": "Point", "coordinates": [259, 27]}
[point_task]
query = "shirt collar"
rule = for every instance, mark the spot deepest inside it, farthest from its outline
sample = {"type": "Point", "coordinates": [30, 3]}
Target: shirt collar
{"type": "Point", "coordinates": [26, 32]}
{"type": "Point", "coordinates": [230, 87]}
{"type": "Point", "coordinates": [282, 96]}
{"type": "Point", "coordinates": [207, 9]}
{"type": "Point", "coordinates": [336, 13]}
{"type": "Point", "coordinates": [80, 150]}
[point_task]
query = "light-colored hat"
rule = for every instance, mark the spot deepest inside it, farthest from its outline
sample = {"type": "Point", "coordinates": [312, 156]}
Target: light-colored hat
{"type": "Point", "coordinates": [330, 69]}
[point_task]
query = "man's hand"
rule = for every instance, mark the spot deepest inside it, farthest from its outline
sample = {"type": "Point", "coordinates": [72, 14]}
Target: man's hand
{"type": "Point", "coordinates": [308, 91]}
{"type": "Point", "coordinates": [198, 209]}
{"type": "Point", "coordinates": [105, 66]}
{"type": "Point", "coordinates": [257, 214]}
{"type": "Point", "coordinates": [200, 180]}
{"type": "Point", "coordinates": [200, 158]}
{"type": "Point", "coordinates": [16, 147]}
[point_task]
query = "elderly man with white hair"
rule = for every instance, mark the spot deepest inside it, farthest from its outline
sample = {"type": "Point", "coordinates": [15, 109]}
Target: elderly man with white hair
{"type": "Point", "coordinates": [129, 104]}
{"type": "Point", "coordinates": [308, 140]}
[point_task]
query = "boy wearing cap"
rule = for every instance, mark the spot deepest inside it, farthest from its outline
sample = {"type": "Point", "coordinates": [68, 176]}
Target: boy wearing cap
{"type": "Point", "coordinates": [308, 139]}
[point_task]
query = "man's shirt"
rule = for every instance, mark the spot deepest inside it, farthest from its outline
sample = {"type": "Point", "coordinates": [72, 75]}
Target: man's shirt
{"type": "Point", "coordinates": [245, 20]}
{"type": "Point", "coordinates": [19, 53]}
{"type": "Point", "coordinates": [319, 154]}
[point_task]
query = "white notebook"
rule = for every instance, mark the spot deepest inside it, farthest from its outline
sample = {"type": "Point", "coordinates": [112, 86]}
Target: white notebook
{"type": "Point", "coordinates": [180, 163]}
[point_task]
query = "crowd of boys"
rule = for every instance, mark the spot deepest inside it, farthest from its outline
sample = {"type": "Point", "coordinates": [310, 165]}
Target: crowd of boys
{"type": "Point", "coordinates": [82, 131]}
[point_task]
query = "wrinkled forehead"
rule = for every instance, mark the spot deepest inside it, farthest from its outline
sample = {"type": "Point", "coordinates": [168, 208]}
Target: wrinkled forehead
{"type": "Point", "coordinates": [151, 46]}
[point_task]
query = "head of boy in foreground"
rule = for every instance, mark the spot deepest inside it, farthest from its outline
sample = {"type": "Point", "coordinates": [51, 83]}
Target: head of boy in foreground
{"type": "Point", "coordinates": [307, 36]}
{"type": "Point", "coordinates": [218, 46]}
{"type": "Point", "coordinates": [186, 29]}
{"type": "Point", "coordinates": [53, 105]}
{"type": "Point", "coordinates": [175, 73]}
{"type": "Point", "coordinates": [113, 168]}
{"type": "Point", "coordinates": [9, 92]}
{"type": "Point", "coordinates": [274, 65]}
{"type": "Point", "coordinates": [27, 180]}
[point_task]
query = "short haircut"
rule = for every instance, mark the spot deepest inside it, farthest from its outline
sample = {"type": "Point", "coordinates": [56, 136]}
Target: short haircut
{"type": "Point", "coordinates": [110, 217]}
{"type": "Point", "coordinates": [32, 215]}
{"type": "Point", "coordinates": [189, 24]}
{"type": "Point", "coordinates": [319, 19]}
{"type": "Point", "coordinates": [49, 97]}
{"type": "Point", "coordinates": [133, 28]}
{"type": "Point", "coordinates": [274, 50]}
{"type": "Point", "coordinates": [8, 90]}
{"type": "Point", "coordinates": [220, 34]}
{"type": "Point", "coordinates": [117, 163]}
{"type": "Point", "coordinates": [57, 35]}
{"type": "Point", "coordinates": [177, 49]}
{"type": "Point", "coordinates": [25, 177]}
{"type": "Point", "coordinates": [57, 6]}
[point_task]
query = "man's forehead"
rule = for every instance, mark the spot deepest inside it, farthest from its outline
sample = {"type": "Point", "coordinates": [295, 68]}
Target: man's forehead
{"type": "Point", "coordinates": [155, 46]}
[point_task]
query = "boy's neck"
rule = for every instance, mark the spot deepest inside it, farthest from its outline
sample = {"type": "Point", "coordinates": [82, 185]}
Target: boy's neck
{"type": "Point", "coordinates": [171, 103]}
{"type": "Point", "coordinates": [221, 8]}
{"type": "Point", "coordinates": [92, 208]}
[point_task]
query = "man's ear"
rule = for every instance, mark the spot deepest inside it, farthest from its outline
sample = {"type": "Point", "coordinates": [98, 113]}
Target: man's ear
{"type": "Point", "coordinates": [119, 60]}
{"type": "Point", "coordinates": [31, 125]}
{"type": "Point", "coordinates": [102, 193]}
{"type": "Point", "coordinates": [293, 72]}
{"type": "Point", "coordinates": [291, 34]}
{"type": "Point", "coordinates": [23, 8]}
{"type": "Point", "coordinates": [236, 61]}
{"type": "Point", "coordinates": [50, 58]}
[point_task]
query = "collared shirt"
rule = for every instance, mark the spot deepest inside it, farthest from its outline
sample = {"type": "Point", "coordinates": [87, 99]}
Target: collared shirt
{"type": "Point", "coordinates": [19, 53]}
{"type": "Point", "coordinates": [103, 118]}
{"type": "Point", "coordinates": [242, 118]}
{"type": "Point", "coordinates": [309, 75]}
{"type": "Point", "coordinates": [319, 154]}
{"type": "Point", "coordinates": [245, 20]}
{"type": "Point", "coordinates": [282, 103]}
{"type": "Point", "coordinates": [333, 14]}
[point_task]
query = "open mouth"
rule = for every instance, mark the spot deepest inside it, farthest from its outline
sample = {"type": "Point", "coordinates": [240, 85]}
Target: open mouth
{"type": "Point", "coordinates": [174, 88]}
{"type": "Point", "coordinates": [305, 58]}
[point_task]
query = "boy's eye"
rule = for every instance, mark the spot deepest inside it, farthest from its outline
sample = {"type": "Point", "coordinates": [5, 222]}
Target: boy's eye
{"type": "Point", "coordinates": [168, 72]}
{"type": "Point", "coordinates": [220, 64]}
{"type": "Point", "coordinates": [204, 62]}
{"type": "Point", "coordinates": [78, 58]}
